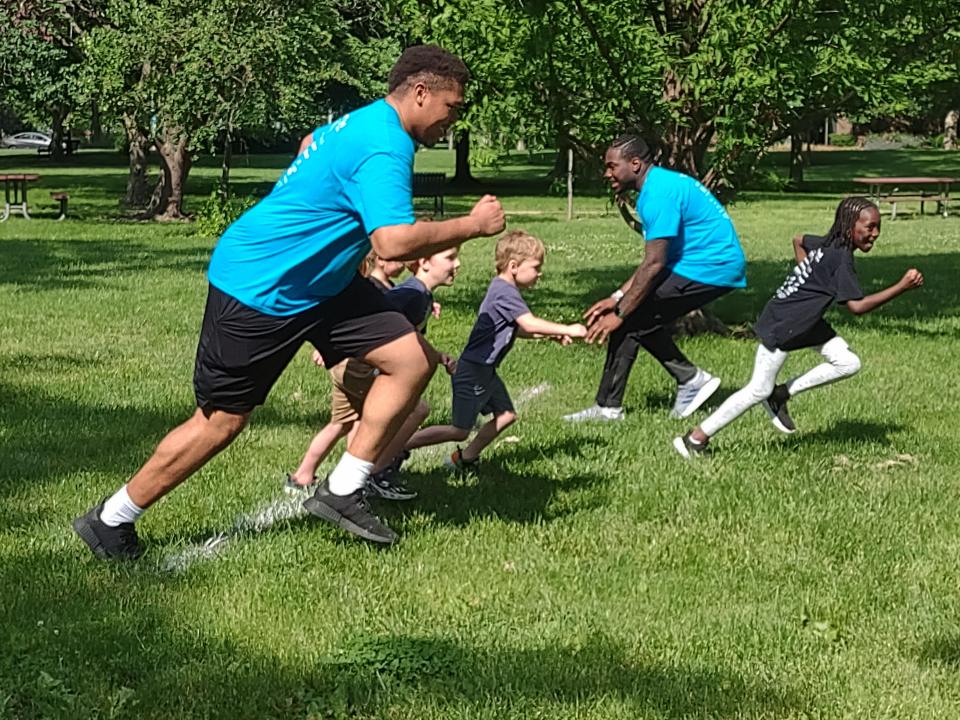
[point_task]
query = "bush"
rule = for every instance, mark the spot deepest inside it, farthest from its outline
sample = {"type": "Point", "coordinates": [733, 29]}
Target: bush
{"type": "Point", "coordinates": [217, 213]}
{"type": "Point", "coordinates": [842, 140]}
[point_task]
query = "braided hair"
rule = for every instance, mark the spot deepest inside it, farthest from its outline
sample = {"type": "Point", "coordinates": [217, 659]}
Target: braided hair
{"type": "Point", "coordinates": [848, 212]}
{"type": "Point", "coordinates": [632, 146]}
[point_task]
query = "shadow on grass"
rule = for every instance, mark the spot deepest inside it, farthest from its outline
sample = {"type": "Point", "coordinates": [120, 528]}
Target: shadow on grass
{"type": "Point", "coordinates": [941, 651]}
{"type": "Point", "coordinates": [44, 264]}
{"type": "Point", "coordinates": [506, 488]}
{"type": "Point", "coordinates": [842, 432]}
{"type": "Point", "coordinates": [396, 670]}
{"type": "Point", "coordinates": [91, 639]}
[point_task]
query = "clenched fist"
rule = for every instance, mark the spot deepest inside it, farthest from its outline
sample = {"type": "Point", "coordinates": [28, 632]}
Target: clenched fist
{"type": "Point", "coordinates": [488, 212]}
{"type": "Point", "coordinates": [911, 279]}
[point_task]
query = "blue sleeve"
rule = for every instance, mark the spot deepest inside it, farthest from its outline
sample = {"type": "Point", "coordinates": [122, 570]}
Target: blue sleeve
{"type": "Point", "coordinates": [660, 217]}
{"type": "Point", "coordinates": [381, 190]}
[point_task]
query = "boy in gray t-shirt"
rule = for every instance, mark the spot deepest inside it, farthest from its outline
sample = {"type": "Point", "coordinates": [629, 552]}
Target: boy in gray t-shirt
{"type": "Point", "coordinates": [477, 388]}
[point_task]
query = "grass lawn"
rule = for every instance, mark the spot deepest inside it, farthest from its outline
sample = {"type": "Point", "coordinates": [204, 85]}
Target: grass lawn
{"type": "Point", "coordinates": [585, 572]}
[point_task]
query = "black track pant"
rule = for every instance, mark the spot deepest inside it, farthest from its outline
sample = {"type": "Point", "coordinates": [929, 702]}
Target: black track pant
{"type": "Point", "coordinates": [645, 327]}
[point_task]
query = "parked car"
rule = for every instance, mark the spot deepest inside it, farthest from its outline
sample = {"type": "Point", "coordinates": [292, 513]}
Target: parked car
{"type": "Point", "coordinates": [29, 140]}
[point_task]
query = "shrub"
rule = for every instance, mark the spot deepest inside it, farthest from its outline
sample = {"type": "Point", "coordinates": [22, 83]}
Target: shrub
{"type": "Point", "coordinates": [842, 140]}
{"type": "Point", "coordinates": [217, 212]}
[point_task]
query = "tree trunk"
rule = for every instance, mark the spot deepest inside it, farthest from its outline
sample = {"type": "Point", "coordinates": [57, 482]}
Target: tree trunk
{"type": "Point", "coordinates": [796, 159]}
{"type": "Point", "coordinates": [224, 188]}
{"type": "Point", "coordinates": [56, 151]}
{"type": "Point", "coordinates": [462, 175]}
{"type": "Point", "coordinates": [137, 145]}
{"type": "Point", "coordinates": [167, 201]}
{"type": "Point", "coordinates": [950, 130]}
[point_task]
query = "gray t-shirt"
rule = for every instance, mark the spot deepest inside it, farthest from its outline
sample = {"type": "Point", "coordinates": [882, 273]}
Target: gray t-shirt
{"type": "Point", "coordinates": [496, 326]}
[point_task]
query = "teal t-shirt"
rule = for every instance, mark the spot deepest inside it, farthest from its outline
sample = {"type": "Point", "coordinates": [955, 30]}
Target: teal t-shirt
{"type": "Point", "coordinates": [702, 243]}
{"type": "Point", "coordinates": [302, 244]}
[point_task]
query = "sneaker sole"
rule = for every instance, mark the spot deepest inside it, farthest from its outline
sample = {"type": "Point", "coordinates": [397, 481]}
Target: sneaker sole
{"type": "Point", "coordinates": [703, 394]}
{"type": "Point", "coordinates": [681, 448]}
{"type": "Point", "coordinates": [82, 528]}
{"type": "Point", "coordinates": [775, 421]}
{"type": "Point", "coordinates": [325, 512]}
{"type": "Point", "coordinates": [389, 495]}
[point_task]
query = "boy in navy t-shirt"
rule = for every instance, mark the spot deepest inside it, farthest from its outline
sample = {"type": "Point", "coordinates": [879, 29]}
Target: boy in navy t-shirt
{"type": "Point", "coordinates": [503, 315]}
{"type": "Point", "coordinates": [793, 319]}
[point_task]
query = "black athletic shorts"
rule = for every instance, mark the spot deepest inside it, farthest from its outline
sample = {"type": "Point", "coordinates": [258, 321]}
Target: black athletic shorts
{"type": "Point", "coordinates": [243, 351]}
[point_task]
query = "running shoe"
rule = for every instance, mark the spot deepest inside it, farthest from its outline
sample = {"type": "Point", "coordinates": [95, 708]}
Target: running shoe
{"type": "Point", "coordinates": [388, 484]}
{"type": "Point", "coordinates": [294, 489]}
{"type": "Point", "coordinates": [691, 395]}
{"type": "Point", "coordinates": [349, 512]}
{"type": "Point", "coordinates": [455, 462]}
{"type": "Point", "coordinates": [776, 407]}
{"type": "Point", "coordinates": [108, 543]}
{"type": "Point", "coordinates": [688, 447]}
{"type": "Point", "coordinates": [596, 412]}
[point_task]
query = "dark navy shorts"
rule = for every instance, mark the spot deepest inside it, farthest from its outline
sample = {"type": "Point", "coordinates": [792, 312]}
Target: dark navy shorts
{"type": "Point", "coordinates": [477, 390]}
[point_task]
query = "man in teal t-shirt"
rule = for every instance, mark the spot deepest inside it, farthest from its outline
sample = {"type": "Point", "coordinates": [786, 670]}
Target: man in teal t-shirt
{"type": "Point", "coordinates": [285, 273]}
{"type": "Point", "coordinates": [692, 256]}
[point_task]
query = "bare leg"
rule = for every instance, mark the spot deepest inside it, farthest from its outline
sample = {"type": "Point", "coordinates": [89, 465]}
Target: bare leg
{"type": "Point", "coordinates": [406, 366]}
{"type": "Point", "coordinates": [321, 445]}
{"type": "Point", "coordinates": [182, 452]}
{"type": "Point", "coordinates": [399, 441]}
{"type": "Point", "coordinates": [437, 434]}
{"type": "Point", "coordinates": [487, 434]}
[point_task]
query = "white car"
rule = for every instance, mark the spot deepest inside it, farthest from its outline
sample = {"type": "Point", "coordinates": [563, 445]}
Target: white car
{"type": "Point", "coordinates": [29, 140]}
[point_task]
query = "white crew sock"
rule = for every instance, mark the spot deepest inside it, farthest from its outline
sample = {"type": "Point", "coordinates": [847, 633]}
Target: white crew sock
{"type": "Point", "coordinates": [120, 509]}
{"type": "Point", "coordinates": [349, 475]}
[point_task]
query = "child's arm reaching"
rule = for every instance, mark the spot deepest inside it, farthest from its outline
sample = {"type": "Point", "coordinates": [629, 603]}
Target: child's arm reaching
{"type": "Point", "coordinates": [532, 326]}
{"type": "Point", "coordinates": [911, 279]}
{"type": "Point", "coordinates": [798, 250]}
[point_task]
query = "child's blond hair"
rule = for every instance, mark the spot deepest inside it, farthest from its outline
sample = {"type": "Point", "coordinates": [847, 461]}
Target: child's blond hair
{"type": "Point", "coordinates": [518, 245]}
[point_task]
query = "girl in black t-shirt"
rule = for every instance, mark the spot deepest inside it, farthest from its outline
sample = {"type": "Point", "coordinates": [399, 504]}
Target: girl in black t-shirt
{"type": "Point", "coordinates": [793, 319]}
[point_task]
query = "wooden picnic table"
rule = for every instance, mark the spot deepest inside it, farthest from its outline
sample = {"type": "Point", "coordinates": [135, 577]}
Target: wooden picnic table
{"type": "Point", "coordinates": [916, 189]}
{"type": "Point", "coordinates": [15, 186]}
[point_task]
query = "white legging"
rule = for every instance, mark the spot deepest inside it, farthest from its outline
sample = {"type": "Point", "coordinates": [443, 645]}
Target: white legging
{"type": "Point", "coordinates": [841, 363]}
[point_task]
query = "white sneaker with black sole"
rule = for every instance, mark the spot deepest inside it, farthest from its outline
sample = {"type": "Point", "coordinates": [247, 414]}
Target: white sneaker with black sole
{"type": "Point", "coordinates": [691, 395]}
{"type": "Point", "coordinates": [596, 412]}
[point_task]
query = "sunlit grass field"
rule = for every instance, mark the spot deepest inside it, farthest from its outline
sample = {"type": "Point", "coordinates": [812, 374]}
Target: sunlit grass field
{"type": "Point", "coordinates": [585, 572]}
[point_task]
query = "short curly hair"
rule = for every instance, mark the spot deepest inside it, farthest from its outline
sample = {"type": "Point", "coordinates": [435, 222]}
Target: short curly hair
{"type": "Point", "coordinates": [430, 64]}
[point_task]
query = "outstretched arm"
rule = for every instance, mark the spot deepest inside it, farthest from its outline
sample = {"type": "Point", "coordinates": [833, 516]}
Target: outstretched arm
{"type": "Point", "coordinates": [531, 326]}
{"type": "Point", "coordinates": [421, 238]}
{"type": "Point", "coordinates": [910, 280]}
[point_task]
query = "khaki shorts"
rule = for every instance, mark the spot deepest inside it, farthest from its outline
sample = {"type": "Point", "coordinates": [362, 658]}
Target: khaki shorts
{"type": "Point", "coordinates": [352, 379]}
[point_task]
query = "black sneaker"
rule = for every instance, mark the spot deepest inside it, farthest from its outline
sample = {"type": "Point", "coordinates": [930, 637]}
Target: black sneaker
{"type": "Point", "coordinates": [108, 543]}
{"type": "Point", "coordinates": [688, 447]}
{"type": "Point", "coordinates": [349, 512]}
{"type": "Point", "coordinates": [776, 407]}
{"type": "Point", "coordinates": [388, 485]}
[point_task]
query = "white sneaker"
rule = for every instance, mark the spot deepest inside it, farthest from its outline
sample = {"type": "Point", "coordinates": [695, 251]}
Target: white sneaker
{"type": "Point", "coordinates": [596, 412]}
{"type": "Point", "coordinates": [693, 394]}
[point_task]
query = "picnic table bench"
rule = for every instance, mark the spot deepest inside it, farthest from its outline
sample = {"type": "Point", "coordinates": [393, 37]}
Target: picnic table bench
{"type": "Point", "coordinates": [430, 185]}
{"type": "Point", "coordinates": [894, 190]}
{"type": "Point", "coordinates": [15, 193]}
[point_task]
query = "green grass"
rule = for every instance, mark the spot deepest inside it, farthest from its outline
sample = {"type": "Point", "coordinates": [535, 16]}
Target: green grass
{"type": "Point", "coordinates": [587, 572]}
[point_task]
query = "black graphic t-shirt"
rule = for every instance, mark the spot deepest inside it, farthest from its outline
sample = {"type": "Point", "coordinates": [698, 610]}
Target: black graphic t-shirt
{"type": "Point", "coordinates": [826, 275]}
